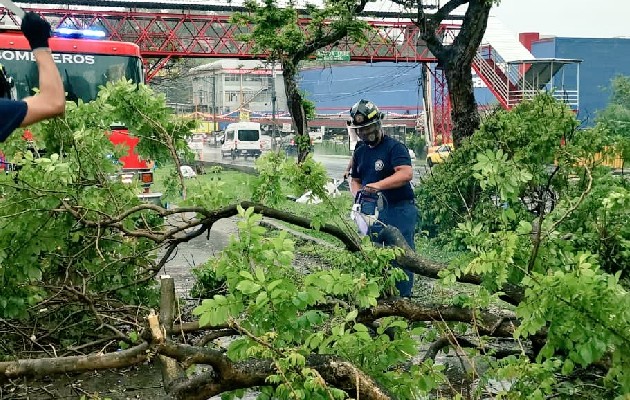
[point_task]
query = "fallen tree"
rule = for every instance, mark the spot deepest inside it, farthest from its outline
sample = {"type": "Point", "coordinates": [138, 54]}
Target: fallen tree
{"type": "Point", "coordinates": [78, 283]}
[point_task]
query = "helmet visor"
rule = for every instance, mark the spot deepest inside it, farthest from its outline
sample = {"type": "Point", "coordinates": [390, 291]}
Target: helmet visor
{"type": "Point", "coordinates": [367, 133]}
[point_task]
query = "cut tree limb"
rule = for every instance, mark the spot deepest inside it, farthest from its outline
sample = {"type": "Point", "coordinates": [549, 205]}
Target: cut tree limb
{"type": "Point", "coordinates": [411, 261]}
{"type": "Point", "coordinates": [227, 375]}
{"type": "Point", "coordinates": [91, 362]}
{"type": "Point", "coordinates": [500, 325]}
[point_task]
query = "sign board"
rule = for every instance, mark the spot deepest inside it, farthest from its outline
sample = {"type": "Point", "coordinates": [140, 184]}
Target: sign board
{"type": "Point", "coordinates": [286, 127]}
{"type": "Point", "coordinates": [333, 55]}
{"type": "Point", "coordinates": [247, 71]}
{"type": "Point", "coordinates": [243, 115]}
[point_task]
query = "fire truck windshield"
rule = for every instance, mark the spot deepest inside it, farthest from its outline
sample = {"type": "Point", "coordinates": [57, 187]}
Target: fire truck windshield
{"type": "Point", "coordinates": [82, 74]}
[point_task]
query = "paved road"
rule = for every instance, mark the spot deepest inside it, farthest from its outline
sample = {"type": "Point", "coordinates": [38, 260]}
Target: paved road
{"type": "Point", "coordinates": [335, 164]}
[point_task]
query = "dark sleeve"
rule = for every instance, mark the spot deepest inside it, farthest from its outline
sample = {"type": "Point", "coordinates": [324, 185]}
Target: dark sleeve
{"type": "Point", "coordinates": [12, 114]}
{"type": "Point", "coordinates": [355, 154]}
{"type": "Point", "coordinates": [400, 155]}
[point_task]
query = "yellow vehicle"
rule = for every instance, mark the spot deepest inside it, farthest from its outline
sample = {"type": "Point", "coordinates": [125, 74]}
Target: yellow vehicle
{"type": "Point", "coordinates": [438, 154]}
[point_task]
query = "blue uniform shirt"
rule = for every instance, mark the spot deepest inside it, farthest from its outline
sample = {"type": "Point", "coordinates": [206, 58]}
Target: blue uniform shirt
{"type": "Point", "coordinates": [372, 164]}
{"type": "Point", "coordinates": [12, 114]}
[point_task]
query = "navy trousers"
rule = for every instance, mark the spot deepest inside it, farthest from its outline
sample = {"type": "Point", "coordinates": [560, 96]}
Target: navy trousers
{"type": "Point", "coordinates": [404, 216]}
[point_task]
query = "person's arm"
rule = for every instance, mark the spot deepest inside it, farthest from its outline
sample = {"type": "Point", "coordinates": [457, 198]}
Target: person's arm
{"type": "Point", "coordinates": [50, 101]}
{"type": "Point", "coordinates": [402, 175]}
{"type": "Point", "coordinates": [346, 173]}
{"type": "Point", "coordinates": [355, 186]}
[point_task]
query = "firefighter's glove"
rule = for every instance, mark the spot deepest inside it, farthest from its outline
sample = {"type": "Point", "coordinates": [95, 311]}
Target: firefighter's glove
{"type": "Point", "coordinates": [36, 29]}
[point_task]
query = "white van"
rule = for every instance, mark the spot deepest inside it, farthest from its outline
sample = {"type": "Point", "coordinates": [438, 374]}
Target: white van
{"type": "Point", "coordinates": [242, 139]}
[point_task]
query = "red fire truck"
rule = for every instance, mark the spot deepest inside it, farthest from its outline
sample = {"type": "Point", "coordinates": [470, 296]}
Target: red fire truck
{"type": "Point", "coordinates": [85, 63]}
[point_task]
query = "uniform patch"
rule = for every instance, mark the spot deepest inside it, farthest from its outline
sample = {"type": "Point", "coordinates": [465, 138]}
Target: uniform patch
{"type": "Point", "coordinates": [378, 165]}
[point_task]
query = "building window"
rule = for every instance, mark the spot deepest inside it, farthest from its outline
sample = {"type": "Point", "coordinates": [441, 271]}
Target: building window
{"type": "Point", "coordinates": [232, 78]}
{"type": "Point", "coordinates": [231, 97]}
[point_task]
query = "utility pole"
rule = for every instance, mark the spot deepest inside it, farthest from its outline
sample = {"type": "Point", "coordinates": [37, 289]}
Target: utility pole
{"type": "Point", "coordinates": [240, 96]}
{"type": "Point", "coordinates": [214, 99]}
{"type": "Point", "coordinates": [427, 98]}
{"type": "Point", "coordinates": [273, 105]}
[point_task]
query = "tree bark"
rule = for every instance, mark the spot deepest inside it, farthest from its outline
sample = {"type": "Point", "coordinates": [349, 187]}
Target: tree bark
{"type": "Point", "coordinates": [296, 109]}
{"type": "Point", "coordinates": [227, 375]}
{"type": "Point", "coordinates": [167, 302]}
{"type": "Point", "coordinates": [499, 324]}
{"type": "Point", "coordinates": [456, 58]}
{"type": "Point", "coordinates": [464, 112]}
{"type": "Point", "coordinates": [91, 362]}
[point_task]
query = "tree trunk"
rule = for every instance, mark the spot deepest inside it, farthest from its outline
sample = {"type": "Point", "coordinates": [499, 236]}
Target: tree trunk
{"type": "Point", "coordinates": [457, 58]}
{"type": "Point", "coordinates": [464, 107]}
{"type": "Point", "coordinates": [296, 109]}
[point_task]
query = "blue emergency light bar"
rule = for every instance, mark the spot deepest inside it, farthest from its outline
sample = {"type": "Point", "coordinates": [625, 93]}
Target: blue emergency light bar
{"type": "Point", "coordinates": [79, 33]}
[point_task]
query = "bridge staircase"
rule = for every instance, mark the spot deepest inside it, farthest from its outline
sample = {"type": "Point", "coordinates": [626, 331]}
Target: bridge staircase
{"type": "Point", "coordinates": [513, 74]}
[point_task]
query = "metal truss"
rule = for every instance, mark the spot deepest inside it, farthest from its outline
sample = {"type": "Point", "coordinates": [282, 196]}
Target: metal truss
{"type": "Point", "coordinates": [163, 36]}
{"type": "Point", "coordinates": [213, 35]}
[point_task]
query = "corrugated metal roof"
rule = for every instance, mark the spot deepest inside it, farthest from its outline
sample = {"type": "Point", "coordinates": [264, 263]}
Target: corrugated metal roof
{"type": "Point", "coordinates": [505, 41]}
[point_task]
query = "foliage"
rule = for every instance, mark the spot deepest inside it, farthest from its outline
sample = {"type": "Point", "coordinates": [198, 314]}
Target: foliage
{"type": "Point", "coordinates": [529, 139]}
{"type": "Point", "coordinates": [48, 251]}
{"type": "Point", "coordinates": [616, 116]}
{"type": "Point", "coordinates": [417, 143]}
{"type": "Point", "coordinates": [285, 314]}
{"type": "Point", "coordinates": [309, 106]}
{"type": "Point", "coordinates": [276, 172]}
{"type": "Point", "coordinates": [536, 209]}
{"type": "Point", "coordinates": [275, 30]}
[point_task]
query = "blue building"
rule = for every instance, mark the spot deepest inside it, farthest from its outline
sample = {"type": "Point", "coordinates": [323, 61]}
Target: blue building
{"type": "Point", "coordinates": [394, 87]}
{"type": "Point", "coordinates": [602, 60]}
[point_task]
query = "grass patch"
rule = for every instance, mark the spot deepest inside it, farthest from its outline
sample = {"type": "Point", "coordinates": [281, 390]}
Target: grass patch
{"type": "Point", "coordinates": [236, 185]}
{"type": "Point", "coordinates": [328, 147]}
{"type": "Point", "coordinates": [430, 249]}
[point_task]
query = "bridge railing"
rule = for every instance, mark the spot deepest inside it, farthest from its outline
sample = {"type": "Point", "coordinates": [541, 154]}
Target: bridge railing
{"type": "Point", "coordinates": [186, 34]}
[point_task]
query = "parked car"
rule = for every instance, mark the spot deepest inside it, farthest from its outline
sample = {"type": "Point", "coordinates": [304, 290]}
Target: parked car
{"type": "Point", "coordinates": [197, 141]}
{"type": "Point", "coordinates": [438, 154]}
{"type": "Point", "coordinates": [288, 145]}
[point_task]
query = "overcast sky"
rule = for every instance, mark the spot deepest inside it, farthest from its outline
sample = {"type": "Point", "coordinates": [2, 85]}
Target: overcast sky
{"type": "Point", "coordinates": [572, 18]}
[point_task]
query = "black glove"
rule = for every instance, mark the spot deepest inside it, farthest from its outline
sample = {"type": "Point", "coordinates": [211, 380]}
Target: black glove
{"type": "Point", "coordinates": [36, 30]}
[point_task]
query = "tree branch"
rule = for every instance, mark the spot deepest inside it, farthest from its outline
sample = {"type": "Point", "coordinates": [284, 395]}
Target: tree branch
{"type": "Point", "coordinates": [227, 375]}
{"type": "Point", "coordinates": [491, 324]}
{"type": "Point", "coordinates": [411, 261]}
{"type": "Point", "coordinates": [56, 365]}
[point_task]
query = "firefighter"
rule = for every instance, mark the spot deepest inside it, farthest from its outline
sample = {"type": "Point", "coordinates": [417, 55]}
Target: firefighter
{"type": "Point", "coordinates": [381, 175]}
{"type": "Point", "coordinates": [50, 101]}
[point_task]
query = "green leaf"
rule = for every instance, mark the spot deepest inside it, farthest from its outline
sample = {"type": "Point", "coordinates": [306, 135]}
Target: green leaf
{"type": "Point", "coordinates": [260, 274]}
{"type": "Point", "coordinates": [248, 287]}
{"type": "Point", "coordinates": [352, 315]}
{"type": "Point", "coordinates": [262, 299]}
